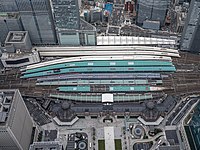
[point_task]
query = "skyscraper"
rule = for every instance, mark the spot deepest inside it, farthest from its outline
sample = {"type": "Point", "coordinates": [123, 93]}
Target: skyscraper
{"type": "Point", "coordinates": [36, 17]}
{"type": "Point", "coordinates": [52, 21]}
{"type": "Point", "coordinates": [8, 6]}
{"type": "Point", "coordinates": [154, 10]}
{"type": "Point", "coordinates": [191, 32]}
{"type": "Point", "coordinates": [70, 29]}
{"type": "Point", "coordinates": [15, 121]}
{"type": "Point", "coordinates": [9, 22]}
{"type": "Point", "coordinates": [66, 14]}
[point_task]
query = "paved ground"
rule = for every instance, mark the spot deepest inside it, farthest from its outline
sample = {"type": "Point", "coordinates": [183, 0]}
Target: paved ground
{"type": "Point", "coordinates": [85, 125]}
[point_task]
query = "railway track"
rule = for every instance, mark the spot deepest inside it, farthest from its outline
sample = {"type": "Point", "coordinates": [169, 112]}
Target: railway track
{"type": "Point", "coordinates": [178, 83]}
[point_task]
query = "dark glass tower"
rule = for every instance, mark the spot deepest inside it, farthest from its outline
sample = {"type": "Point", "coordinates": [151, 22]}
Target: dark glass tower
{"type": "Point", "coordinates": [36, 17]}
{"type": "Point", "coordinates": [190, 40]}
{"type": "Point", "coordinates": [66, 14]}
{"type": "Point", "coordinates": [154, 10]}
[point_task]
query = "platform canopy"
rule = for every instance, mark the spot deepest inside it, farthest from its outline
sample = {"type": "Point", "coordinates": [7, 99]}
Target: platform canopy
{"type": "Point", "coordinates": [133, 40]}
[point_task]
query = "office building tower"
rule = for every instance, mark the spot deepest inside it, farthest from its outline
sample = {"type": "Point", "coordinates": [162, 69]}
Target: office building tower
{"type": "Point", "coordinates": [86, 35]}
{"type": "Point", "coordinates": [191, 33]}
{"type": "Point", "coordinates": [70, 29]}
{"type": "Point", "coordinates": [154, 10]}
{"type": "Point", "coordinates": [66, 14]}
{"type": "Point", "coordinates": [8, 6]}
{"type": "Point", "coordinates": [96, 15]}
{"type": "Point", "coordinates": [15, 121]}
{"type": "Point", "coordinates": [36, 17]}
{"type": "Point", "coordinates": [9, 22]}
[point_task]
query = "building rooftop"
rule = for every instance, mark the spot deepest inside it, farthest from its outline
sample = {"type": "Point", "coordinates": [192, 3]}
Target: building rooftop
{"type": "Point", "coordinates": [52, 145]}
{"type": "Point", "coordinates": [154, 25]}
{"type": "Point", "coordinates": [171, 147]}
{"type": "Point", "coordinates": [86, 26]}
{"type": "Point", "coordinates": [9, 15]}
{"type": "Point", "coordinates": [18, 55]}
{"type": "Point", "coordinates": [133, 40]}
{"type": "Point", "coordinates": [172, 137]}
{"type": "Point", "coordinates": [50, 135]}
{"type": "Point", "coordinates": [16, 37]}
{"type": "Point", "coordinates": [6, 99]}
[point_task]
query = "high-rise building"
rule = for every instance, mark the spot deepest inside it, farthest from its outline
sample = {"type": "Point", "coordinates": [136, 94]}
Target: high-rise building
{"type": "Point", "coordinates": [86, 35]}
{"type": "Point", "coordinates": [190, 35]}
{"type": "Point", "coordinates": [8, 6]}
{"type": "Point", "coordinates": [154, 10]}
{"type": "Point", "coordinates": [9, 22]}
{"type": "Point", "coordinates": [36, 17]}
{"type": "Point", "coordinates": [71, 30]}
{"type": "Point", "coordinates": [15, 121]}
{"type": "Point", "coordinates": [52, 21]}
{"type": "Point", "coordinates": [66, 14]}
{"type": "Point", "coordinates": [96, 15]}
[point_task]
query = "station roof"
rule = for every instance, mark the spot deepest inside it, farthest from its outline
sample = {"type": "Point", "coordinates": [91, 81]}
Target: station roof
{"type": "Point", "coordinates": [98, 98]}
{"type": "Point", "coordinates": [133, 40]}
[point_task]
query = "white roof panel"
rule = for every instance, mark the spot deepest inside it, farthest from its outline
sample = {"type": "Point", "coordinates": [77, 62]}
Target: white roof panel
{"type": "Point", "coordinates": [117, 40]}
{"type": "Point", "coordinates": [105, 40]}
{"type": "Point", "coordinates": [123, 40]}
{"type": "Point", "coordinates": [127, 40]}
{"type": "Point", "coordinates": [111, 40]}
{"type": "Point", "coordinates": [107, 98]}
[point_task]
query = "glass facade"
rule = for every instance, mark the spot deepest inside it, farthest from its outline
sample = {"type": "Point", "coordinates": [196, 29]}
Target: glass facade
{"type": "Point", "coordinates": [190, 36]}
{"type": "Point", "coordinates": [36, 17]}
{"type": "Point", "coordinates": [154, 10]}
{"type": "Point", "coordinates": [77, 37]}
{"type": "Point", "coordinates": [66, 14]}
{"type": "Point", "coordinates": [193, 129]}
{"type": "Point", "coordinates": [69, 38]}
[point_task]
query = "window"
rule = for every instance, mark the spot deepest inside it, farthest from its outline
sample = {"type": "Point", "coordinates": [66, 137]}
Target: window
{"type": "Point", "coordinates": [112, 68]}
{"type": "Point", "coordinates": [20, 61]}
{"type": "Point", "coordinates": [90, 64]}
{"type": "Point", "coordinates": [71, 64]}
{"type": "Point", "coordinates": [74, 89]}
{"type": "Point", "coordinates": [130, 63]}
{"type": "Point", "coordinates": [56, 71]}
{"type": "Point", "coordinates": [130, 68]}
{"type": "Point", "coordinates": [112, 63]}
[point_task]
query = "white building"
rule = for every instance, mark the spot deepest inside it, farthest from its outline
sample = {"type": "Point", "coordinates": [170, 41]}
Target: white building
{"type": "Point", "coordinates": [19, 59]}
{"type": "Point", "coordinates": [15, 121]}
